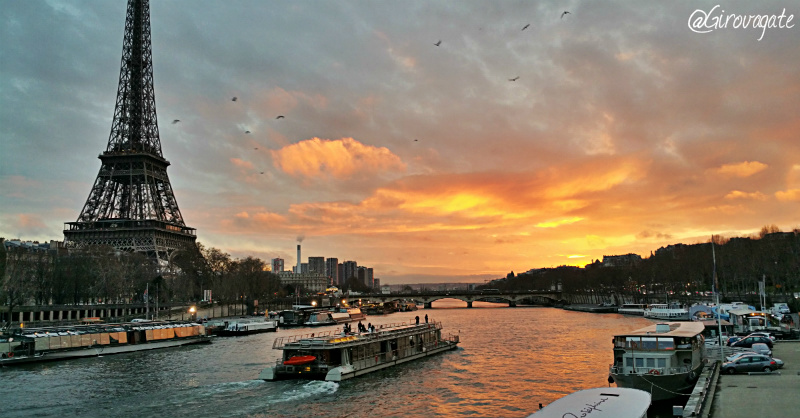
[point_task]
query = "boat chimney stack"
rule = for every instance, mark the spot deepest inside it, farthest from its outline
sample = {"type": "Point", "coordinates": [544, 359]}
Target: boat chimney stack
{"type": "Point", "coordinates": [662, 328]}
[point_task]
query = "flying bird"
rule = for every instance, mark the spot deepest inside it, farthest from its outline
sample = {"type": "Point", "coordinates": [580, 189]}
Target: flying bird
{"type": "Point", "coordinates": [279, 117]}
{"type": "Point", "coordinates": [526, 26]}
{"type": "Point", "coordinates": [565, 13]}
{"type": "Point", "coordinates": [234, 99]}
{"type": "Point", "coordinates": [262, 172]}
{"type": "Point", "coordinates": [247, 132]}
{"type": "Point", "coordinates": [438, 43]}
{"type": "Point", "coordinates": [175, 121]}
{"type": "Point", "coordinates": [415, 140]}
{"type": "Point", "coordinates": [514, 79]}
{"type": "Point", "coordinates": [256, 148]}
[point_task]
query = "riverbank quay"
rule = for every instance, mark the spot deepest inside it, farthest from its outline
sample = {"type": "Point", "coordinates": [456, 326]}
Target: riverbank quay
{"type": "Point", "coordinates": [590, 308]}
{"type": "Point", "coordinates": [761, 395]}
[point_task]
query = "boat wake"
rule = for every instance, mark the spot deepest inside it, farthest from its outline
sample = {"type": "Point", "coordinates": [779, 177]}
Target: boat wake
{"type": "Point", "coordinates": [310, 389]}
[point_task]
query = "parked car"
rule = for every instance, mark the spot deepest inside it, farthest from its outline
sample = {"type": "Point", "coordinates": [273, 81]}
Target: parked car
{"type": "Point", "coordinates": [749, 340]}
{"type": "Point", "coordinates": [761, 348]}
{"type": "Point", "coordinates": [736, 356]}
{"type": "Point", "coordinates": [752, 363]}
{"type": "Point", "coordinates": [732, 340]}
{"type": "Point", "coordinates": [764, 334]}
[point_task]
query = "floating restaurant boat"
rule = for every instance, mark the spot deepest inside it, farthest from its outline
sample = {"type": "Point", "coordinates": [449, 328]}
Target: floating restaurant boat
{"type": "Point", "coordinates": [599, 403]}
{"type": "Point", "coordinates": [663, 359]}
{"type": "Point", "coordinates": [28, 345]}
{"type": "Point", "coordinates": [336, 356]}
{"type": "Point", "coordinates": [667, 312]}
{"type": "Point", "coordinates": [247, 326]}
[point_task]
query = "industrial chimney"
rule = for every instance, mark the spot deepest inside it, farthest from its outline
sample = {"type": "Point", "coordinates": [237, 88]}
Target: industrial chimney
{"type": "Point", "coordinates": [297, 267]}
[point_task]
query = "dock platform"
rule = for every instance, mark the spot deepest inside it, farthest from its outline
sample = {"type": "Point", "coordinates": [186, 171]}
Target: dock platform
{"type": "Point", "coordinates": [760, 395]}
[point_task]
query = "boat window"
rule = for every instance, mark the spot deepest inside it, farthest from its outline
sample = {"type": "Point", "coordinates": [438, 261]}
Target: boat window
{"type": "Point", "coordinates": [662, 362]}
{"type": "Point", "coordinates": [628, 362]}
{"type": "Point", "coordinates": [639, 362]}
{"type": "Point", "coordinates": [651, 362]}
{"type": "Point", "coordinates": [666, 344]}
{"type": "Point", "coordinates": [633, 342]}
{"type": "Point", "coordinates": [649, 343]}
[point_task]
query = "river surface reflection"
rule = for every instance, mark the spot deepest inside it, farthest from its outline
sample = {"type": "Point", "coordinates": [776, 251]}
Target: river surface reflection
{"type": "Point", "coordinates": [509, 361]}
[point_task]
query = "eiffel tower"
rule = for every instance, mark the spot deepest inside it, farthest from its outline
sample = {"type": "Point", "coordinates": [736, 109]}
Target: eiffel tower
{"type": "Point", "coordinates": [131, 206]}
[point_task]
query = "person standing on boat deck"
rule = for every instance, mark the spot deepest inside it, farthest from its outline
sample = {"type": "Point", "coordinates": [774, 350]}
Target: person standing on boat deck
{"type": "Point", "coordinates": [426, 318]}
{"type": "Point", "coordinates": [417, 318]}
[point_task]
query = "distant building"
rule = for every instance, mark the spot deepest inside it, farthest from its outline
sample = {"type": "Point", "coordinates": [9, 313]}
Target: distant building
{"type": "Point", "coordinates": [386, 289]}
{"type": "Point", "coordinates": [316, 265]}
{"type": "Point", "coordinates": [304, 268]}
{"type": "Point", "coordinates": [304, 283]}
{"type": "Point", "coordinates": [376, 284]}
{"type": "Point", "coordinates": [350, 269]}
{"type": "Point", "coordinates": [626, 260]}
{"type": "Point", "coordinates": [332, 270]}
{"type": "Point", "coordinates": [277, 265]}
{"type": "Point", "coordinates": [340, 274]}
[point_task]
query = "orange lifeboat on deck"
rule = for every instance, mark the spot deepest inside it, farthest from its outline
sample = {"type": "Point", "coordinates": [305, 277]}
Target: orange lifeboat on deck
{"type": "Point", "coordinates": [299, 360]}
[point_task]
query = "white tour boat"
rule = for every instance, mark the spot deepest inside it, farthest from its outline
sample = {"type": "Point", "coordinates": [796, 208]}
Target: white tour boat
{"type": "Point", "coordinates": [247, 326]}
{"type": "Point", "coordinates": [664, 359]}
{"type": "Point", "coordinates": [336, 356]}
{"type": "Point", "coordinates": [667, 312]}
{"type": "Point", "coordinates": [599, 403]}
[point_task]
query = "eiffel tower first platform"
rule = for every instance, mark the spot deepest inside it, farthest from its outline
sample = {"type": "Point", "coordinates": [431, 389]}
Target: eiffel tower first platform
{"type": "Point", "coordinates": [131, 206]}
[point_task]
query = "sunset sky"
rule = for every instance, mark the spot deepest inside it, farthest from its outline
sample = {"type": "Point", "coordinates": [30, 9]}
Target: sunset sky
{"type": "Point", "coordinates": [625, 131]}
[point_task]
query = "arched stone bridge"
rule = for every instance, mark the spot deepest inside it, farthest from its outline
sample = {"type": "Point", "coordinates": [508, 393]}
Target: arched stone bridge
{"type": "Point", "coordinates": [528, 297]}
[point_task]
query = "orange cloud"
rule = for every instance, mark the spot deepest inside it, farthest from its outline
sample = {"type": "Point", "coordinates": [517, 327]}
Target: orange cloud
{"type": "Point", "coordinates": [242, 163]}
{"type": "Point", "coordinates": [788, 195]}
{"type": "Point", "coordinates": [737, 194]}
{"type": "Point", "coordinates": [340, 159]}
{"type": "Point", "coordinates": [743, 169]}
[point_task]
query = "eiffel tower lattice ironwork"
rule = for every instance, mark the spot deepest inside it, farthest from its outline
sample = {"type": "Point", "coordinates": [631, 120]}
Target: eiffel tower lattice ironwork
{"type": "Point", "coordinates": [131, 206]}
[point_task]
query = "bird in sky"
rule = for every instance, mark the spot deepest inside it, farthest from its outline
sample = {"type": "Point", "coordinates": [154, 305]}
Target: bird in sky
{"type": "Point", "coordinates": [256, 148]}
{"type": "Point", "coordinates": [234, 99]}
{"type": "Point", "coordinates": [279, 117]}
{"type": "Point", "coordinates": [514, 79]}
{"type": "Point", "coordinates": [247, 132]}
{"type": "Point", "coordinates": [175, 121]}
{"type": "Point", "coordinates": [262, 172]}
{"type": "Point", "coordinates": [526, 26]}
{"type": "Point", "coordinates": [438, 43]}
{"type": "Point", "coordinates": [565, 13]}
{"type": "Point", "coordinates": [415, 140]}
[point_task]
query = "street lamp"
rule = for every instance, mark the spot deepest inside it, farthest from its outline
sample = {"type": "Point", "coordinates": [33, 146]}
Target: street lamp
{"type": "Point", "coordinates": [192, 312]}
{"type": "Point", "coordinates": [314, 303]}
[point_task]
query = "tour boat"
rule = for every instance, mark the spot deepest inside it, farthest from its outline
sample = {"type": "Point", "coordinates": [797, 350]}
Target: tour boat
{"type": "Point", "coordinates": [667, 312]}
{"type": "Point", "coordinates": [632, 309]}
{"type": "Point", "coordinates": [664, 359]}
{"type": "Point", "coordinates": [336, 356]}
{"type": "Point", "coordinates": [247, 326]}
{"type": "Point", "coordinates": [28, 345]}
{"type": "Point", "coordinates": [599, 403]}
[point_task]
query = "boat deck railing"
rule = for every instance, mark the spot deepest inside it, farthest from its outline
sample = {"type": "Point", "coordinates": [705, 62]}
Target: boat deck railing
{"type": "Point", "coordinates": [656, 371]}
{"type": "Point", "coordinates": [373, 359]}
{"type": "Point", "coordinates": [335, 337]}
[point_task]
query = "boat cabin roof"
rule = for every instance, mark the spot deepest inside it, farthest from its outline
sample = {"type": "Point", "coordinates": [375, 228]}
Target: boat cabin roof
{"type": "Point", "coordinates": [676, 329]}
{"type": "Point", "coordinates": [327, 340]}
{"type": "Point", "coordinates": [612, 402]}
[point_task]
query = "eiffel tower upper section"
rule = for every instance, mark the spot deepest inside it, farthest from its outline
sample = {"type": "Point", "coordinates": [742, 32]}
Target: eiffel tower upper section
{"type": "Point", "coordinates": [132, 206]}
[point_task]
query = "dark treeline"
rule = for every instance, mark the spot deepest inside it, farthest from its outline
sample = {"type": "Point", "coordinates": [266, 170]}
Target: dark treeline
{"type": "Point", "coordinates": [681, 272]}
{"type": "Point", "coordinates": [104, 275]}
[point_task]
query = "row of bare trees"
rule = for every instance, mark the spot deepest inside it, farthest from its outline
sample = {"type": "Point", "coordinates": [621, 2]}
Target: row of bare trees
{"type": "Point", "coordinates": [104, 275]}
{"type": "Point", "coordinates": [683, 272]}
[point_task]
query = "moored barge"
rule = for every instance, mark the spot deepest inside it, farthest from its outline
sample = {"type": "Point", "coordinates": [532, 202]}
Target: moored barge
{"type": "Point", "coordinates": [29, 345]}
{"type": "Point", "coordinates": [663, 359]}
{"type": "Point", "coordinates": [337, 356]}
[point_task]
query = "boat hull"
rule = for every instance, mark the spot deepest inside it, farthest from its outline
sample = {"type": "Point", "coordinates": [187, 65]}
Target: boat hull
{"type": "Point", "coordinates": [337, 374]}
{"type": "Point", "coordinates": [660, 387]}
{"type": "Point", "coordinates": [97, 351]}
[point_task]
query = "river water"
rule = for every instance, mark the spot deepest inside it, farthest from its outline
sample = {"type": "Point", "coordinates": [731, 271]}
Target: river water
{"type": "Point", "coordinates": [509, 360]}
